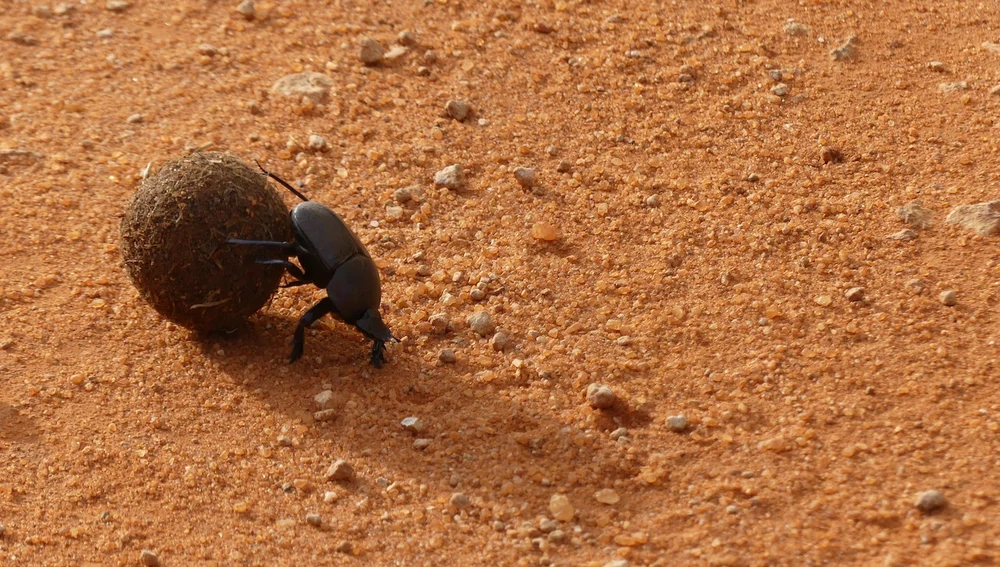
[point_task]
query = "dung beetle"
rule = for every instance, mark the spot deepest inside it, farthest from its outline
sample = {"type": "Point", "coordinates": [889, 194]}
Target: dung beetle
{"type": "Point", "coordinates": [332, 258]}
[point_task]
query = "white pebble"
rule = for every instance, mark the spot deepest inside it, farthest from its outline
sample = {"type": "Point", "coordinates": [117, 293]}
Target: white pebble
{"type": "Point", "coordinates": [247, 9]}
{"type": "Point", "coordinates": [316, 142]}
{"type": "Point", "coordinates": [600, 396]}
{"type": "Point", "coordinates": [324, 399]}
{"type": "Point", "coordinates": [948, 297]}
{"type": "Point", "coordinates": [930, 501]}
{"type": "Point", "coordinates": [677, 423]}
{"type": "Point", "coordinates": [450, 177]}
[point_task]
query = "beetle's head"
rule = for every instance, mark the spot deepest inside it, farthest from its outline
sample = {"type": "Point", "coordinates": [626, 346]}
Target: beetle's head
{"type": "Point", "coordinates": [370, 323]}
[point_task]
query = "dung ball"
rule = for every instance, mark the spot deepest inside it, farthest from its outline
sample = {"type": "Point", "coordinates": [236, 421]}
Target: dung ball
{"type": "Point", "coordinates": [174, 233]}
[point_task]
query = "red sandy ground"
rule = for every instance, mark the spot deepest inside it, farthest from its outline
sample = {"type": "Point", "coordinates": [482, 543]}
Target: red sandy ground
{"type": "Point", "coordinates": [815, 421]}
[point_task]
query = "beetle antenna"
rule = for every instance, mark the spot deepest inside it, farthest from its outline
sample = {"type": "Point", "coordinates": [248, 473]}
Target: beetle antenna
{"type": "Point", "coordinates": [294, 191]}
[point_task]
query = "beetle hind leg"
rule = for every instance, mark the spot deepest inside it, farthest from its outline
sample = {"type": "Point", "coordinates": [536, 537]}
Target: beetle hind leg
{"type": "Point", "coordinates": [324, 307]}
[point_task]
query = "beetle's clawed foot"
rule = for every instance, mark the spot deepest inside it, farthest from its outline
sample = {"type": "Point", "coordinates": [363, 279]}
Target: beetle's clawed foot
{"type": "Point", "coordinates": [378, 354]}
{"type": "Point", "coordinates": [297, 348]}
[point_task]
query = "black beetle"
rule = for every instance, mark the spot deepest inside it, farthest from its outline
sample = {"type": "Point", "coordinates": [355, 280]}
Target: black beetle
{"type": "Point", "coordinates": [332, 258]}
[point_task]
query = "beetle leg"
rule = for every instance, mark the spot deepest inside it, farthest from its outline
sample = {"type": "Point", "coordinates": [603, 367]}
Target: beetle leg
{"type": "Point", "coordinates": [322, 308]}
{"type": "Point", "coordinates": [292, 269]}
{"type": "Point", "coordinates": [378, 353]}
{"type": "Point", "coordinates": [288, 248]}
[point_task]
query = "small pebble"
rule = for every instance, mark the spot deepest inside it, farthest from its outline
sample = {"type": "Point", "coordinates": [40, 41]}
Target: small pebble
{"type": "Point", "coordinates": [439, 323]}
{"type": "Point", "coordinates": [936, 66]}
{"type": "Point", "coordinates": [525, 176]}
{"type": "Point", "coordinates": [413, 425]}
{"type": "Point", "coordinates": [547, 525]}
{"type": "Point", "coordinates": [915, 214]}
{"type": "Point", "coordinates": [847, 50]}
{"type": "Point", "coordinates": [330, 497]}
{"type": "Point", "coordinates": [148, 558]}
{"type": "Point", "coordinates": [134, 119]}
{"type": "Point", "coordinates": [393, 212]}
{"type": "Point", "coordinates": [855, 294]}
{"type": "Point", "coordinates": [557, 536]}
{"type": "Point", "coordinates": [677, 423]}
{"type": "Point", "coordinates": [3, 530]}
{"type": "Point", "coordinates": [500, 341]}
{"type": "Point", "coordinates": [340, 470]}
{"type": "Point", "coordinates": [407, 38]}
{"type": "Point", "coordinates": [562, 509]}
{"type": "Point", "coordinates": [544, 231]}
{"type": "Point", "coordinates": [477, 294]}
{"type": "Point", "coordinates": [403, 195]}
{"type": "Point", "coordinates": [781, 89]}
{"type": "Point", "coordinates": [653, 201]}
{"type": "Point", "coordinates": [617, 563]}
{"type": "Point", "coordinates": [247, 9]}
{"type": "Point", "coordinates": [948, 297]}
{"type": "Point", "coordinates": [316, 142]}
{"type": "Point", "coordinates": [208, 49]}
{"type": "Point", "coordinates": [459, 500]}
{"type": "Point", "coordinates": [823, 300]}
{"type": "Point", "coordinates": [370, 51]}
{"type": "Point", "coordinates": [117, 6]}
{"type": "Point", "coordinates": [105, 33]}
{"type": "Point", "coordinates": [421, 443]}
{"type": "Point", "coordinates": [450, 177]}
{"type": "Point", "coordinates": [482, 323]}
{"type": "Point", "coordinates": [930, 501]}
{"type": "Point", "coordinates": [982, 218]}
{"type": "Point", "coordinates": [395, 52]}
{"type": "Point", "coordinates": [948, 88]}
{"type": "Point", "coordinates": [905, 234]}
{"type": "Point", "coordinates": [314, 520]}
{"type": "Point", "coordinates": [600, 396]}
{"type": "Point", "coordinates": [448, 356]}
{"type": "Point", "coordinates": [324, 399]}
{"type": "Point", "coordinates": [607, 496]}
{"type": "Point", "coordinates": [619, 433]}
{"type": "Point", "coordinates": [345, 547]}
{"type": "Point", "coordinates": [564, 167]}
{"type": "Point", "coordinates": [311, 85]}
{"type": "Point", "coordinates": [325, 415]}
{"type": "Point", "coordinates": [458, 109]}
{"type": "Point", "coordinates": [831, 155]}
{"type": "Point", "coordinates": [795, 29]}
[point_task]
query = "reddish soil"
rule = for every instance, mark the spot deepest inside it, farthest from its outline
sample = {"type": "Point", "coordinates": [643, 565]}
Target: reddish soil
{"type": "Point", "coordinates": [726, 182]}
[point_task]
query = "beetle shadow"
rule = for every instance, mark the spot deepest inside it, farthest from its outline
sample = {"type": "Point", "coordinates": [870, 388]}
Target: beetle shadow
{"type": "Point", "coordinates": [457, 402]}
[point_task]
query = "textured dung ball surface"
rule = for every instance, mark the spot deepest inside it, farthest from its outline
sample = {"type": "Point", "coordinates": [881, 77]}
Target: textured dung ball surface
{"type": "Point", "coordinates": [173, 240]}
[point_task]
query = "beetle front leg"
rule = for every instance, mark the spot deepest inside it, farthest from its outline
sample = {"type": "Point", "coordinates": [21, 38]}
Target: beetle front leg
{"type": "Point", "coordinates": [324, 307]}
{"type": "Point", "coordinates": [378, 353]}
{"type": "Point", "coordinates": [300, 278]}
